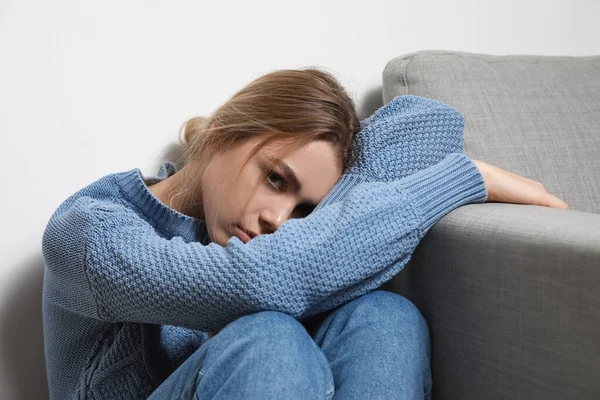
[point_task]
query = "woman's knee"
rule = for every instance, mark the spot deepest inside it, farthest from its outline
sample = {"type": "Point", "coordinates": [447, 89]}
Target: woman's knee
{"type": "Point", "coordinates": [278, 345]}
{"type": "Point", "coordinates": [273, 334]}
{"type": "Point", "coordinates": [273, 326]}
{"type": "Point", "coordinates": [392, 312]}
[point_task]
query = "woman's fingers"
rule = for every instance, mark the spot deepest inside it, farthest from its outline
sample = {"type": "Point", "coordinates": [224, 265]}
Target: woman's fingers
{"type": "Point", "coordinates": [506, 187]}
{"type": "Point", "coordinates": [555, 202]}
{"type": "Point", "coordinates": [551, 200]}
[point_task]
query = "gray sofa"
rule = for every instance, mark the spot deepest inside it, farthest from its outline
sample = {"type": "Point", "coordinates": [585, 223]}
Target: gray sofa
{"type": "Point", "coordinates": [511, 292]}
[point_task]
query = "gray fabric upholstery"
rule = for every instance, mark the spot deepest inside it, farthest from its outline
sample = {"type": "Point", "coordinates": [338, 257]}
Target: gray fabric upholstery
{"type": "Point", "coordinates": [511, 293]}
{"type": "Point", "coordinates": [536, 116]}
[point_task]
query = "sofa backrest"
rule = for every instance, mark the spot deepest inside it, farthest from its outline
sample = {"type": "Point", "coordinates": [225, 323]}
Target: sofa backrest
{"type": "Point", "coordinates": [536, 116]}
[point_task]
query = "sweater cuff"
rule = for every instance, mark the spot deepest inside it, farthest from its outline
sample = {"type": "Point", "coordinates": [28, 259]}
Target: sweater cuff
{"type": "Point", "coordinates": [442, 187]}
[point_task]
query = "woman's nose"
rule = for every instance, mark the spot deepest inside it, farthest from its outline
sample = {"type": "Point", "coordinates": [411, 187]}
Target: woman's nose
{"type": "Point", "coordinates": [276, 215]}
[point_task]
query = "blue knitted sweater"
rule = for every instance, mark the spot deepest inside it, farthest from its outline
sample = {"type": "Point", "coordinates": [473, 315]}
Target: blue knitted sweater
{"type": "Point", "coordinates": [131, 286]}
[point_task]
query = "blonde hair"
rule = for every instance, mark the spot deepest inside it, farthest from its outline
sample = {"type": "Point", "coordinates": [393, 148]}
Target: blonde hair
{"type": "Point", "coordinates": [294, 106]}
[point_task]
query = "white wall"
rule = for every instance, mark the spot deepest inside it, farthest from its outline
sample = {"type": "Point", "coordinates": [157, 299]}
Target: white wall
{"type": "Point", "coordinates": [88, 88]}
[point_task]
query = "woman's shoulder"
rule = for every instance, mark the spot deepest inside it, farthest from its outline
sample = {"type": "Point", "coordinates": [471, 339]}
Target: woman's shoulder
{"type": "Point", "coordinates": [124, 199]}
{"type": "Point", "coordinates": [102, 194]}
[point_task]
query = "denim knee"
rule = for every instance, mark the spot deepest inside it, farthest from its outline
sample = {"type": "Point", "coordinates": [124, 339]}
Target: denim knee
{"type": "Point", "coordinates": [378, 346]}
{"type": "Point", "coordinates": [391, 313]}
{"type": "Point", "coordinates": [280, 341]}
{"type": "Point", "coordinates": [385, 305]}
{"type": "Point", "coordinates": [275, 328]}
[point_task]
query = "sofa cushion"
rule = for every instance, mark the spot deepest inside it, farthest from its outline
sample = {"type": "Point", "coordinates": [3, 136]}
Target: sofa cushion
{"type": "Point", "coordinates": [536, 116]}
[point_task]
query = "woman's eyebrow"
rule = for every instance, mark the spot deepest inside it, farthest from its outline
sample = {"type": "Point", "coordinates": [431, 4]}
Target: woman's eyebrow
{"type": "Point", "coordinates": [288, 172]}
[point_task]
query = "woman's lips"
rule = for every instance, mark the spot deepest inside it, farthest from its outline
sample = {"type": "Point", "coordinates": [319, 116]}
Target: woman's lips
{"type": "Point", "coordinates": [242, 235]}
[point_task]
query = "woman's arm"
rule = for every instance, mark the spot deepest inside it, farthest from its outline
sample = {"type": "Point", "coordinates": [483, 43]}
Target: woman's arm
{"type": "Point", "coordinates": [129, 273]}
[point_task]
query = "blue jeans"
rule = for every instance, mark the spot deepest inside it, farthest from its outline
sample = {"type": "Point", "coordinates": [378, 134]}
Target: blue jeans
{"type": "Point", "coordinates": [374, 347]}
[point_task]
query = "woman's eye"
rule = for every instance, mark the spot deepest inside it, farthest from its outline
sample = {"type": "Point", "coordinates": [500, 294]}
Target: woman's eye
{"type": "Point", "coordinates": [276, 180]}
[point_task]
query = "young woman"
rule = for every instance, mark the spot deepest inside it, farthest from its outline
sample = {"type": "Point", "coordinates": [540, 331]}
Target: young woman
{"type": "Point", "coordinates": [251, 271]}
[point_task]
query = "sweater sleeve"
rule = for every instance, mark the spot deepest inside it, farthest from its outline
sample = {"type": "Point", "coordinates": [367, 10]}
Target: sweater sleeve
{"type": "Point", "coordinates": [129, 273]}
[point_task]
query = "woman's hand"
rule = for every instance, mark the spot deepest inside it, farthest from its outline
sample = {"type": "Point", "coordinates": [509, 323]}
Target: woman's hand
{"type": "Point", "coordinates": [506, 187]}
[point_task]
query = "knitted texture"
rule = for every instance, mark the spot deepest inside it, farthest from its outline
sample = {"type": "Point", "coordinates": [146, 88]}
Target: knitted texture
{"type": "Point", "coordinates": [408, 134]}
{"type": "Point", "coordinates": [131, 286]}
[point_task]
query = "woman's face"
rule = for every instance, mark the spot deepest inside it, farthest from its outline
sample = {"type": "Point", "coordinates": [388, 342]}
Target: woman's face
{"type": "Point", "coordinates": [228, 199]}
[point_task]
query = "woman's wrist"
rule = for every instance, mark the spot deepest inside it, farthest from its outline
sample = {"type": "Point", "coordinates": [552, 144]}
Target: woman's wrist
{"type": "Point", "coordinates": [486, 180]}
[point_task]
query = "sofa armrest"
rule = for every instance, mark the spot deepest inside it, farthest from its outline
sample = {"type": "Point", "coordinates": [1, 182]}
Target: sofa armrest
{"type": "Point", "coordinates": [511, 294]}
